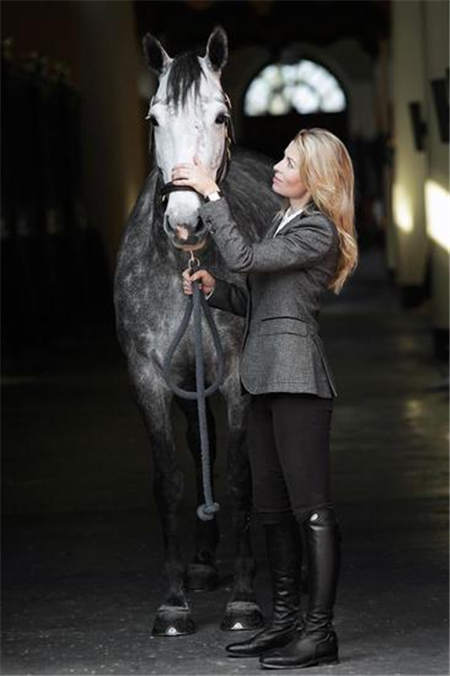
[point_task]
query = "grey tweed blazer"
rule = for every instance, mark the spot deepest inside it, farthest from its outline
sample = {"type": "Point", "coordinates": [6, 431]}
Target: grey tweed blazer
{"type": "Point", "coordinates": [281, 349]}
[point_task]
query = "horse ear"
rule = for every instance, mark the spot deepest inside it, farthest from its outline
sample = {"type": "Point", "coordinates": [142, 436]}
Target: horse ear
{"type": "Point", "coordinates": [217, 49]}
{"type": "Point", "coordinates": [155, 55]}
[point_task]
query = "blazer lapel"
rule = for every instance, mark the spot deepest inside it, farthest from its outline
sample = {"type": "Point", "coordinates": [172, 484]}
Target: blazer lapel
{"type": "Point", "coordinates": [307, 211]}
{"type": "Point", "coordinates": [272, 229]}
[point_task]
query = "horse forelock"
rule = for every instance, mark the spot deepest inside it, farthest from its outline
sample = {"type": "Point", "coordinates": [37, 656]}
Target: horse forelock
{"type": "Point", "coordinates": [185, 72]}
{"type": "Point", "coordinates": [249, 193]}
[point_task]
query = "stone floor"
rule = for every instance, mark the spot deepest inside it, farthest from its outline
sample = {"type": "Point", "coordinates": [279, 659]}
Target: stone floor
{"type": "Point", "coordinates": [81, 542]}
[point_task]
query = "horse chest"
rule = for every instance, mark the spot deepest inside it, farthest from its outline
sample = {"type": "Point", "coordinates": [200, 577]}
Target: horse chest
{"type": "Point", "coordinates": [155, 332]}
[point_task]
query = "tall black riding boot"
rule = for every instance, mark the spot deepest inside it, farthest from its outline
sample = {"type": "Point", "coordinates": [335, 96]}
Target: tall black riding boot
{"type": "Point", "coordinates": [317, 643]}
{"type": "Point", "coordinates": [284, 554]}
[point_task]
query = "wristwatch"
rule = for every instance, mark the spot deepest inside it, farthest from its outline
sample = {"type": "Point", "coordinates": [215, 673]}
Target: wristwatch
{"type": "Point", "coordinates": [214, 196]}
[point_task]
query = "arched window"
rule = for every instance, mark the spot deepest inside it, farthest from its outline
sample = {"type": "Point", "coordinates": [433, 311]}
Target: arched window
{"type": "Point", "coordinates": [306, 87]}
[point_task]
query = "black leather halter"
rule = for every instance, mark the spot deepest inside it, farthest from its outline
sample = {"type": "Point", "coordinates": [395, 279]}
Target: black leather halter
{"type": "Point", "coordinates": [222, 171]}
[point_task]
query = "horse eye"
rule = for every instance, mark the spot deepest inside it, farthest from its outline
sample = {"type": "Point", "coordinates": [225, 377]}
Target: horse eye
{"type": "Point", "coordinates": [221, 118]}
{"type": "Point", "coordinates": [153, 120]}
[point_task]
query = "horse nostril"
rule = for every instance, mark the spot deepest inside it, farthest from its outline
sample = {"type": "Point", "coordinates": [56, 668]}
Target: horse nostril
{"type": "Point", "coordinates": [198, 226]}
{"type": "Point", "coordinates": [169, 225]}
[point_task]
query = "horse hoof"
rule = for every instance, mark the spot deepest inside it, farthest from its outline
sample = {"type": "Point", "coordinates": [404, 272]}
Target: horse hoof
{"type": "Point", "coordinates": [201, 577]}
{"type": "Point", "coordinates": [173, 622]}
{"type": "Point", "coordinates": [241, 616]}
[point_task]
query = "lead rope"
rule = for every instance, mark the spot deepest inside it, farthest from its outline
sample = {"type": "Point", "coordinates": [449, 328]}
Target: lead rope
{"type": "Point", "coordinates": [196, 304]}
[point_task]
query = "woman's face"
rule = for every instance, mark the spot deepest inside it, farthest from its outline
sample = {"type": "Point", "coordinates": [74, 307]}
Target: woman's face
{"type": "Point", "coordinates": [286, 180]}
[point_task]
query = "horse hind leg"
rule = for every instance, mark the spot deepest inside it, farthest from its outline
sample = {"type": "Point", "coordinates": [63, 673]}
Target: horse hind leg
{"type": "Point", "coordinates": [173, 617]}
{"type": "Point", "coordinates": [202, 573]}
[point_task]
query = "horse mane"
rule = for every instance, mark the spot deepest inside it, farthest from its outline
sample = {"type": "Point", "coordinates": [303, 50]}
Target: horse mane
{"type": "Point", "coordinates": [248, 189]}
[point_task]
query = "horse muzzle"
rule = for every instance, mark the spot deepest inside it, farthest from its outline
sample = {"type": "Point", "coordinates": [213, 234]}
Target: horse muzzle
{"type": "Point", "coordinates": [186, 236]}
{"type": "Point", "coordinates": [181, 221]}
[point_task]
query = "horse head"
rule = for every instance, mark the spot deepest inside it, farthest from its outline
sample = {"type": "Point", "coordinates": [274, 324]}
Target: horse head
{"type": "Point", "coordinates": [190, 117]}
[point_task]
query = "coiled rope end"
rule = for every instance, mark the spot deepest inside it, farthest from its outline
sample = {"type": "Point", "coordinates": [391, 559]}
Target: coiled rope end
{"type": "Point", "coordinates": [207, 512]}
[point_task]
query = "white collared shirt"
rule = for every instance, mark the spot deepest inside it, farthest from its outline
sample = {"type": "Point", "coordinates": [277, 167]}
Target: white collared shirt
{"type": "Point", "coordinates": [288, 216]}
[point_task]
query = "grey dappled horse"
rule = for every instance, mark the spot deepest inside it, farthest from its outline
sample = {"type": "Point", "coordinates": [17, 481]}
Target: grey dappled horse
{"type": "Point", "coordinates": [190, 115]}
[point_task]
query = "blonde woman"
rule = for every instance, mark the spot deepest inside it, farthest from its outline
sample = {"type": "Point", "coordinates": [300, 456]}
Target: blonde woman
{"type": "Point", "coordinates": [310, 248]}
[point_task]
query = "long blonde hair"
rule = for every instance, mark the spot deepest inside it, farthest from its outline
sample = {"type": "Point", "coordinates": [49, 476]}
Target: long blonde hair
{"type": "Point", "coordinates": [326, 171]}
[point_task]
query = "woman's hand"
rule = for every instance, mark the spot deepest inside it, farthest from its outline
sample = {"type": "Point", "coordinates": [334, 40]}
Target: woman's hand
{"type": "Point", "coordinates": [196, 175]}
{"type": "Point", "coordinates": [207, 281]}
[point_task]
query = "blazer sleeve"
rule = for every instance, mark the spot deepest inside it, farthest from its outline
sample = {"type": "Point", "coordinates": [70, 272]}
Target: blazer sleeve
{"type": "Point", "coordinates": [229, 297]}
{"type": "Point", "coordinates": [301, 247]}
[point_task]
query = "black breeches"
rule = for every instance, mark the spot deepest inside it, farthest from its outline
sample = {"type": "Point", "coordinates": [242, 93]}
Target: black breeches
{"type": "Point", "coordinates": [289, 450]}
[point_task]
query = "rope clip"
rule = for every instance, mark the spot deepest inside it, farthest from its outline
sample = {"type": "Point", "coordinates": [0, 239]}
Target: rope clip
{"type": "Point", "coordinates": [193, 262]}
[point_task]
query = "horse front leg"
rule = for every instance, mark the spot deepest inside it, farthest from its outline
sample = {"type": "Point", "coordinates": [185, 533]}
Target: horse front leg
{"type": "Point", "coordinates": [173, 617]}
{"type": "Point", "coordinates": [242, 612]}
{"type": "Point", "coordinates": [202, 573]}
